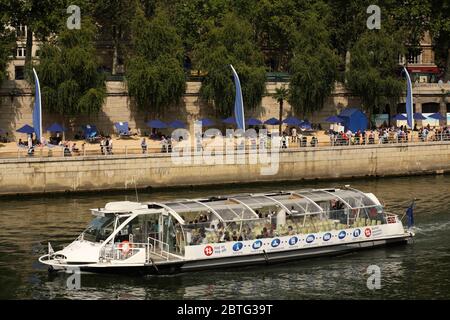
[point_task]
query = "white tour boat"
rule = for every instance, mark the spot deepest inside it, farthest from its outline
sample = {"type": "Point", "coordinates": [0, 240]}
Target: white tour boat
{"type": "Point", "coordinates": [229, 231]}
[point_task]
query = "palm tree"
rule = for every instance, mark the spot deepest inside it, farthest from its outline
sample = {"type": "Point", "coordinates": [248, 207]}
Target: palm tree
{"type": "Point", "coordinates": [281, 94]}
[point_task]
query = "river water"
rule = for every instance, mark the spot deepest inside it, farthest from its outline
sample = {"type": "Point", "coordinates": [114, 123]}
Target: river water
{"type": "Point", "coordinates": [414, 271]}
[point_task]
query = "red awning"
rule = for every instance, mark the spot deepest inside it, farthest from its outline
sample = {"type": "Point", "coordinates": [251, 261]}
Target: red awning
{"type": "Point", "coordinates": [423, 69]}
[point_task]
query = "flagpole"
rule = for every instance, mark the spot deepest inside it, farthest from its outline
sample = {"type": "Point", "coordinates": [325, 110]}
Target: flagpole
{"type": "Point", "coordinates": [37, 116]}
{"type": "Point", "coordinates": [409, 102]}
{"type": "Point", "coordinates": [238, 103]}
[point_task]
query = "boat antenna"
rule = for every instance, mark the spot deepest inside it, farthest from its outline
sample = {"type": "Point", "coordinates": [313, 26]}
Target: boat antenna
{"type": "Point", "coordinates": [135, 189]}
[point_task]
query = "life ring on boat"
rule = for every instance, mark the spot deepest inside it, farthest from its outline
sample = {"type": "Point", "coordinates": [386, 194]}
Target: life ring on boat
{"type": "Point", "coordinates": [125, 247]}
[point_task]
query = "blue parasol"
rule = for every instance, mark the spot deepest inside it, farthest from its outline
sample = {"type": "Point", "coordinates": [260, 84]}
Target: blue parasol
{"type": "Point", "coordinates": [26, 129]}
{"type": "Point", "coordinates": [253, 122]}
{"type": "Point", "coordinates": [272, 121]}
{"type": "Point", "coordinates": [399, 117]}
{"type": "Point", "coordinates": [157, 124]}
{"type": "Point", "coordinates": [419, 116]}
{"type": "Point", "coordinates": [334, 119]}
{"type": "Point", "coordinates": [292, 121]}
{"type": "Point", "coordinates": [437, 116]}
{"type": "Point", "coordinates": [177, 124]}
{"type": "Point", "coordinates": [229, 120]}
{"type": "Point", "coordinates": [56, 128]}
{"type": "Point", "coordinates": [206, 122]}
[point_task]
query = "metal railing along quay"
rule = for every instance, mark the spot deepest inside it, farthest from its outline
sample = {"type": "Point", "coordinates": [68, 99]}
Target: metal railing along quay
{"type": "Point", "coordinates": [23, 153]}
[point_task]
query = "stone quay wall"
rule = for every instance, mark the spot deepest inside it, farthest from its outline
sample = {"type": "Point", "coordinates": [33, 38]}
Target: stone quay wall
{"type": "Point", "coordinates": [78, 174]}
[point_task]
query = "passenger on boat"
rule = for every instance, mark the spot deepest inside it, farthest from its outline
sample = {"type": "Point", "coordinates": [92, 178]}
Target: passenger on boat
{"type": "Point", "coordinates": [291, 231]}
{"type": "Point", "coordinates": [264, 234]}
{"type": "Point", "coordinates": [248, 235]}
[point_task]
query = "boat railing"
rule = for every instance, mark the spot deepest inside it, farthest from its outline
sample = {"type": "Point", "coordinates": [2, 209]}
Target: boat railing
{"type": "Point", "coordinates": [122, 251]}
{"type": "Point", "coordinates": [119, 251]}
{"type": "Point", "coordinates": [158, 247]}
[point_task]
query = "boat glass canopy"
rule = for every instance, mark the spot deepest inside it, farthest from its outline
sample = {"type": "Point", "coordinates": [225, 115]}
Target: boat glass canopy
{"type": "Point", "coordinates": [249, 206]}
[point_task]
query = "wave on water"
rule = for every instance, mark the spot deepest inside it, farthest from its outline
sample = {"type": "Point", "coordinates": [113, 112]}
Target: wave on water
{"type": "Point", "coordinates": [432, 227]}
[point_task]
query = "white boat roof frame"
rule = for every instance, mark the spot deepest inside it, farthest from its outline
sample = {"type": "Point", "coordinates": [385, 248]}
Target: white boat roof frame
{"type": "Point", "coordinates": [248, 203]}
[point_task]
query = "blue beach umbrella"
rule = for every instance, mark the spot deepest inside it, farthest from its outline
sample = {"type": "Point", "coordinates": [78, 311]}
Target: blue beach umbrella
{"type": "Point", "coordinates": [229, 120]}
{"type": "Point", "coordinates": [399, 117]}
{"type": "Point", "coordinates": [272, 121]}
{"type": "Point", "coordinates": [292, 121]}
{"type": "Point", "coordinates": [334, 119]}
{"type": "Point", "coordinates": [177, 124]}
{"type": "Point", "coordinates": [419, 116]}
{"type": "Point", "coordinates": [206, 122]}
{"type": "Point", "coordinates": [305, 125]}
{"type": "Point", "coordinates": [121, 126]}
{"type": "Point", "coordinates": [437, 116]}
{"type": "Point", "coordinates": [26, 129]}
{"type": "Point", "coordinates": [90, 131]}
{"type": "Point", "coordinates": [253, 122]}
{"type": "Point", "coordinates": [157, 124]}
{"type": "Point", "coordinates": [56, 128]}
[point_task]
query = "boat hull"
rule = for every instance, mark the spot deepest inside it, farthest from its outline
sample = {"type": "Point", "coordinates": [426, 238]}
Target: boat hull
{"type": "Point", "coordinates": [266, 258]}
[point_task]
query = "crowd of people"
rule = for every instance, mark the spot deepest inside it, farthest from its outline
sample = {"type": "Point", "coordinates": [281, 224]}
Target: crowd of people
{"type": "Point", "coordinates": [292, 137]}
{"type": "Point", "coordinates": [391, 134]}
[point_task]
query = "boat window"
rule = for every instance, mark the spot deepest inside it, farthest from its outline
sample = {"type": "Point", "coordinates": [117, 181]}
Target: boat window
{"type": "Point", "coordinates": [141, 227]}
{"type": "Point", "coordinates": [356, 199]}
{"type": "Point", "coordinates": [99, 229]}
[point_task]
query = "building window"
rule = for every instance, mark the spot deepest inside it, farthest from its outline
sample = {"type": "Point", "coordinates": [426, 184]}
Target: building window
{"type": "Point", "coordinates": [412, 58]}
{"type": "Point", "coordinates": [21, 52]}
{"type": "Point", "coordinates": [21, 31]}
{"type": "Point", "coordinates": [19, 73]}
{"type": "Point", "coordinates": [430, 107]}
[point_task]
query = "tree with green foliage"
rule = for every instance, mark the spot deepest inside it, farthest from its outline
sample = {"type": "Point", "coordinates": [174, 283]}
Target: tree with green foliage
{"type": "Point", "coordinates": [155, 74]}
{"type": "Point", "coordinates": [71, 84]}
{"type": "Point", "coordinates": [275, 24]}
{"type": "Point", "coordinates": [313, 67]}
{"type": "Point", "coordinates": [230, 42]}
{"type": "Point", "coordinates": [41, 17]}
{"type": "Point", "coordinates": [281, 94]}
{"type": "Point", "coordinates": [440, 31]}
{"type": "Point", "coordinates": [6, 42]}
{"type": "Point", "coordinates": [410, 19]}
{"type": "Point", "coordinates": [374, 71]}
{"type": "Point", "coordinates": [192, 18]}
{"type": "Point", "coordinates": [114, 18]}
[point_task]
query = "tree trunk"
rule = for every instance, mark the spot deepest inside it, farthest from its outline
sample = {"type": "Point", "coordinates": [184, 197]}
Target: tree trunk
{"type": "Point", "coordinates": [281, 117]}
{"type": "Point", "coordinates": [115, 53]}
{"type": "Point", "coordinates": [29, 50]}
{"type": "Point", "coordinates": [447, 69]}
{"type": "Point", "coordinates": [369, 115]}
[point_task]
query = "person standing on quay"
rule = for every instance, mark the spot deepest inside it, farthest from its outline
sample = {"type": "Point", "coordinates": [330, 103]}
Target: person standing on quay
{"type": "Point", "coordinates": [144, 146]}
